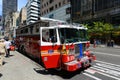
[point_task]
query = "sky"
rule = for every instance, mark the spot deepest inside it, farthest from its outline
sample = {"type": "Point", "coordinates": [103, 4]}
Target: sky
{"type": "Point", "coordinates": [21, 3]}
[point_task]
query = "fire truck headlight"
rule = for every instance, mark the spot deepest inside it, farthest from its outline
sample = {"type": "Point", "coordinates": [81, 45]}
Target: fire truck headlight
{"type": "Point", "coordinates": [84, 52]}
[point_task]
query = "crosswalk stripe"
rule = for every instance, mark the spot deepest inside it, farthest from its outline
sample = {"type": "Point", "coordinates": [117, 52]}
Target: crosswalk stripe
{"type": "Point", "coordinates": [106, 69]}
{"type": "Point", "coordinates": [112, 72]}
{"type": "Point", "coordinates": [108, 66]}
{"type": "Point", "coordinates": [92, 76]}
{"type": "Point", "coordinates": [90, 71]}
{"type": "Point", "coordinates": [102, 73]}
{"type": "Point", "coordinates": [107, 63]}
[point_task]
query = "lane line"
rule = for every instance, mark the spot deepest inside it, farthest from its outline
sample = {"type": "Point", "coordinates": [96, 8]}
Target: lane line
{"type": "Point", "coordinates": [92, 76]}
{"type": "Point", "coordinates": [115, 55]}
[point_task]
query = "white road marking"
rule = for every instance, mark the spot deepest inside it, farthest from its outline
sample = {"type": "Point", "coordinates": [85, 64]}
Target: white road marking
{"type": "Point", "coordinates": [90, 71]}
{"type": "Point", "coordinates": [112, 72]}
{"type": "Point", "coordinates": [108, 66]}
{"type": "Point", "coordinates": [102, 72]}
{"type": "Point", "coordinates": [115, 55]}
{"type": "Point", "coordinates": [107, 63]}
{"type": "Point", "coordinates": [106, 69]}
{"type": "Point", "coordinates": [92, 76]}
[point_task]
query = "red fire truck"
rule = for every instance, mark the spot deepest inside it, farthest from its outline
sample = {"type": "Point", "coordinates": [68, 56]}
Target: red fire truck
{"type": "Point", "coordinates": [56, 44]}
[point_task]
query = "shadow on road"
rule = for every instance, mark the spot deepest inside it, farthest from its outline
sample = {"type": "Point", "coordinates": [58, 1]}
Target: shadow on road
{"type": "Point", "coordinates": [64, 74]}
{"type": "Point", "coordinates": [1, 75]}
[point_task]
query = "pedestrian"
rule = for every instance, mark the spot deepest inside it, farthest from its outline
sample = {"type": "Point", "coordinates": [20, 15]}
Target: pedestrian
{"type": "Point", "coordinates": [94, 43]}
{"type": "Point", "coordinates": [108, 43]}
{"type": "Point", "coordinates": [7, 45]}
{"type": "Point", "coordinates": [3, 51]}
{"type": "Point", "coordinates": [112, 43]}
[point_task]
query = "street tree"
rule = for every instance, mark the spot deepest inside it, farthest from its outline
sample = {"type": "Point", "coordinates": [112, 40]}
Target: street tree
{"type": "Point", "coordinates": [100, 30]}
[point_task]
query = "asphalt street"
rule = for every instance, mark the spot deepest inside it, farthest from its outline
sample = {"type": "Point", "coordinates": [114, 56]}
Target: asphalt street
{"type": "Point", "coordinates": [107, 54]}
{"type": "Point", "coordinates": [106, 67]}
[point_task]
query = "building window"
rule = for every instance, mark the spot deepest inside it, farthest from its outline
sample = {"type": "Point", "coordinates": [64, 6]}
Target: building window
{"type": "Point", "coordinates": [51, 1]}
{"type": "Point", "coordinates": [47, 10]}
{"type": "Point", "coordinates": [47, 3]}
{"type": "Point", "coordinates": [68, 10]}
{"type": "Point", "coordinates": [44, 5]}
{"type": "Point", "coordinates": [56, 6]}
{"type": "Point", "coordinates": [59, 4]}
{"type": "Point", "coordinates": [50, 9]}
{"type": "Point", "coordinates": [26, 30]}
{"type": "Point", "coordinates": [21, 31]}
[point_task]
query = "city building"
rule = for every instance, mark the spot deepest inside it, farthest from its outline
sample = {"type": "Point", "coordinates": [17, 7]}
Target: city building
{"type": "Point", "coordinates": [75, 10]}
{"type": "Point", "coordinates": [33, 11]}
{"type": "Point", "coordinates": [96, 10]}
{"type": "Point", "coordinates": [1, 29]}
{"type": "Point", "coordinates": [56, 9]}
{"type": "Point", "coordinates": [8, 6]}
{"type": "Point", "coordinates": [107, 11]}
{"type": "Point", "coordinates": [0, 21]}
{"type": "Point", "coordinates": [23, 16]}
{"type": "Point", "coordinates": [11, 22]}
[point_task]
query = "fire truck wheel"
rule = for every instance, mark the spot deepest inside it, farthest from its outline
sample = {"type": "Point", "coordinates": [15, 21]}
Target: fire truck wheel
{"type": "Point", "coordinates": [18, 49]}
{"type": "Point", "coordinates": [59, 69]}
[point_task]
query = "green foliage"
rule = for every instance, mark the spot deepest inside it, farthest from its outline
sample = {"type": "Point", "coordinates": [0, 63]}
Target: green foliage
{"type": "Point", "coordinates": [99, 29]}
{"type": "Point", "coordinates": [107, 27]}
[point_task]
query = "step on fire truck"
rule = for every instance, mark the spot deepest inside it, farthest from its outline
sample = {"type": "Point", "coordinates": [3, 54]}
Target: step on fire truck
{"type": "Point", "coordinates": [57, 44]}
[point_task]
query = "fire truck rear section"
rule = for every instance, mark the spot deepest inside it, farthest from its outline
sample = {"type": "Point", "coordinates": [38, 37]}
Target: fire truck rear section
{"type": "Point", "coordinates": [56, 44]}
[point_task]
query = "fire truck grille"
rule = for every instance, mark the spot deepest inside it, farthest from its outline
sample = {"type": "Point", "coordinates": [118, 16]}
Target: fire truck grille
{"type": "Point", "coordinates": [77, 49]}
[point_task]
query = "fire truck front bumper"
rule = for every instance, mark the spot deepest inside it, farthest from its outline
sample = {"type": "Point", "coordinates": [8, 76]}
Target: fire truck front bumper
{"type": "Point", "coordinates": [79, 63]}
{"type": "Point", "coordinates": [72, 66]}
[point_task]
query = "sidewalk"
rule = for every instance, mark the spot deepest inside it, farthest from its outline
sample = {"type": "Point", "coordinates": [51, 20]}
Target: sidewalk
{"type": "Point", "coordinates": [19, 67]}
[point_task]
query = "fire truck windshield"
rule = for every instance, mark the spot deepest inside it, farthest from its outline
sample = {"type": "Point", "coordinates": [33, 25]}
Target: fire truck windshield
{"type": "Point", "coordinates": [73, 35]}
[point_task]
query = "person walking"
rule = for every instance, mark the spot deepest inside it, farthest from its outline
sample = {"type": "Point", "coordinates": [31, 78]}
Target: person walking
{"type": "Point", "coordinates": [7, 45]}
{"type": "Point", "coordinates": [112, 43]}
{"type": "Point", "coordinates": [3, 51]}
{"type": "Point", "coordinates": [94, 43]}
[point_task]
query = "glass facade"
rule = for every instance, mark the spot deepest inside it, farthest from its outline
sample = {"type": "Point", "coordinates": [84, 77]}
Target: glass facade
{"type": "Point", "coordinates": [95, 10]}
{"type": "Point", "coordinates": [8, 7]}
{"type": "Point", "coordinates": [105, 4]}
{"type": "Point", "coordinates": [60, 13]}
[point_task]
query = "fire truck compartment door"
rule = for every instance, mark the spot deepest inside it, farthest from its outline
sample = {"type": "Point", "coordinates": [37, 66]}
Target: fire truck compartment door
{"type": "Point", "coordinates": [51, 61]}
